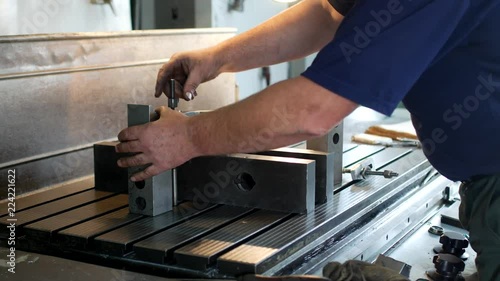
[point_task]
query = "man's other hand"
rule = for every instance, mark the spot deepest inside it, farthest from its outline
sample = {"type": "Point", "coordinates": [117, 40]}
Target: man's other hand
{"type": "Point", "coordinates": [160, 145]}
{"type": "Point", "coordinates": [190, 69]}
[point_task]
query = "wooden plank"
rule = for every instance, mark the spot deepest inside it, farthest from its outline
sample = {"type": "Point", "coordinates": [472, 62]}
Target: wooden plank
{"type": "Point", "coordinates": [119, 241]}
{"type": "Point", "coordinates": [202, 253]}
{"type": "Point", "coordinates": [160, 247]}
{"type": "Point", "coordinates": [45, 229]}
{"type": "Point", "coordinates": [23, 203]}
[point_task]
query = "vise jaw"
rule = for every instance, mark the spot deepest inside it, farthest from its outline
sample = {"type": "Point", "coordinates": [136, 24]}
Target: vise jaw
{"type": "Point", "coordinates": [153, 196]}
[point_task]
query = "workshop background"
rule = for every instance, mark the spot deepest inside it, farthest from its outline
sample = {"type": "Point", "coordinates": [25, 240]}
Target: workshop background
{"type": "Point", "coordinates": [66, 66]}
{"type": "Point", "coordinates": [56, 16]}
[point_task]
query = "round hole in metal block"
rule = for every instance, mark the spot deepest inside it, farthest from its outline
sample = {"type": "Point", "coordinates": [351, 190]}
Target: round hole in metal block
{"type": "Point", "coordinates": [141, 203]}
{"type": "Point", "coordinates": [336, 138]}
{"type": "Point", "coordinates": [244, 182]}
{"type": "Point", "coordinates": [140, 184]}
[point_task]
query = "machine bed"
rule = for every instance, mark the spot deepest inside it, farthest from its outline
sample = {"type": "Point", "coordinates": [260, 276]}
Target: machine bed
{"type": "Point", "coordinates": [220, 241]}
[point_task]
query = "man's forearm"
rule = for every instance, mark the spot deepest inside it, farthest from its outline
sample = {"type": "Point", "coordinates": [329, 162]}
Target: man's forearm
{"type": "Point", "coordinates": [283, 114]}
{"type": "Point", "coordinates": [297, 32]}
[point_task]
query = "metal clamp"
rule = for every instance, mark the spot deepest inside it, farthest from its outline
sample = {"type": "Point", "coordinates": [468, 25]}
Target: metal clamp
{"type": "Point", "coordinates": [153, 196]}
{"type": "Point", "coordinates": [363, 169]}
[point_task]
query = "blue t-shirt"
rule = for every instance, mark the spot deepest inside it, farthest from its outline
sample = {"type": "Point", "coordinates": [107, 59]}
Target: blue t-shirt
{"type": "Point", "coordinates": [441, 58]}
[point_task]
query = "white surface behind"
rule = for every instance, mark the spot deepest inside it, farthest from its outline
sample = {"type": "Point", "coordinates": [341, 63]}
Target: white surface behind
{"type": "Point", "coordinates": [55, 16]}
{"type": "Point", "coordinates": [255, 12]}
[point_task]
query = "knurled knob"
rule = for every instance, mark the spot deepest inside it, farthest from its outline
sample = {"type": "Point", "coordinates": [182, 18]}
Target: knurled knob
{"type": "Point", "coordinates": [448, 266]}
{"type": "Point", "coordinates": [453, 243]}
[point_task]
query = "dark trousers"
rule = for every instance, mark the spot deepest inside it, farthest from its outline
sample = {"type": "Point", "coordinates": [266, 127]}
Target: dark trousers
{"type": "Point", "coordinates": [480, 215]}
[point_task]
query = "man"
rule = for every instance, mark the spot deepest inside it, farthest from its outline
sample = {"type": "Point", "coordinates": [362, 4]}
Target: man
{"type": "Point", "coordinates": [442, 58]}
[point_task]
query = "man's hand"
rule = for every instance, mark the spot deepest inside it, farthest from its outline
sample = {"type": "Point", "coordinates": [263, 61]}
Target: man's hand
{"type": "Point", "coordinates": [189, 69]}
{"type": "Point", "coordinates": [163, 144]}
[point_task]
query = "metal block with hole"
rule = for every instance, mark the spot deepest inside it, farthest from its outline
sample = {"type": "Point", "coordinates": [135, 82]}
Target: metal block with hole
{"type": "Point", "coordinates": [153, 196]}
{"type": "Point", "coordinates": [245, 180]}
{"type": "Point", "coordinates": [331, 142]}
{"type": "Point", "coordinates": [324, 168]}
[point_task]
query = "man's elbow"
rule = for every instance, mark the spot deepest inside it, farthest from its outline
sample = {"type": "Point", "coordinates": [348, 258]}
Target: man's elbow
{"type": "Point", "coordinates": [320, 119]}
{"type": "Point", "coordinates": [316, 130]}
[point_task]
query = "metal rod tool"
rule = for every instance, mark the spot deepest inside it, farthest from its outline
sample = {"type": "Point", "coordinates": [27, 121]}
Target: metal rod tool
{"type": "Point", "coordinates": [172, 100]}
{"type": "Point", "coordinates": [364, 168]}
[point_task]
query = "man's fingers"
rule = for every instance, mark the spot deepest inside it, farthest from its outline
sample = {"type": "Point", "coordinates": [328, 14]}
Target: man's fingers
{"type": "Point", "coordinates": [132, 161]}
{"type": "Point", "coordinates": [162, 79]}
{"type": "Point", "coordinates": [192, 82]}
{"type": "Point", "coordinates": [179, 90]}
{"type": "Point", "coordinates": [146, 174]}
{"type": "Point", "coordinates": [129, 134]}
{"type": "Point", "coordinates": [129, 146]}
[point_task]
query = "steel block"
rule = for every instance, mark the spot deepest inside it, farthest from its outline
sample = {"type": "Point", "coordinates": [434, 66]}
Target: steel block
{"type": "Point", "coordinates": [153, 196]}
{"type": "Point", "coordinates": [245, 180]}
{"type": "Point", "coordinates": [108, 176]}
{"type": "Point", "coordinates": [331, 142]}
{"type": "Point", "coordinates": [324, 168]}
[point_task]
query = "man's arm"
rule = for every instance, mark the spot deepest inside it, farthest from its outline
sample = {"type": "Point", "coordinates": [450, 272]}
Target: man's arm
{"type": "Point", "coordinates": [280, 115]}
{"type": "Point", "coordinates": [283, 114]}
{"type": "Point", "coordinates": [298, 31]}
{"type": "Point", "coordinates": [307, 26]}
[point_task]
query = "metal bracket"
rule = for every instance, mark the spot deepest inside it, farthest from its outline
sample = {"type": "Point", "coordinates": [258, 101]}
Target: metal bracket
{"type": "Point", "coordinates": [331, 142]}
{"type": "Point", "coordinates": [153, 196]}
{"type": "Point", "coordinates": [324, 168]}
{"type": "Point", "coordinates": [246, 180]}
{"type": "Point", "coordinates": [363, 169]}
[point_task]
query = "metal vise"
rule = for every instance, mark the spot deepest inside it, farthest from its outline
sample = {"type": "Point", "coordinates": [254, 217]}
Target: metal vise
{"type": "Point", "coordinates": [288, 180]}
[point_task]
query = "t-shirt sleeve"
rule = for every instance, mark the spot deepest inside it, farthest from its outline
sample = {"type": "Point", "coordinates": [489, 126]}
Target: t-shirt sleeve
{"type": "Point", "coordinates": [382, 48]}
{"type": "Point", "coordinates": [342, 6]}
